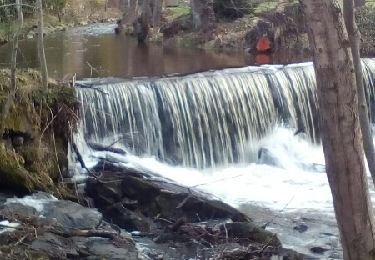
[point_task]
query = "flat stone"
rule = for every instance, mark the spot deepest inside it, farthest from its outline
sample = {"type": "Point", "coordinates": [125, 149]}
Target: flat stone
{"type": "Point", "coordinates": [71, 215]}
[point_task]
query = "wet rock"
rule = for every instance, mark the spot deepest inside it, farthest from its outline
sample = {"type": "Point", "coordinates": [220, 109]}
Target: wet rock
{"type": "Point", "coordinates": [17, 209]}
{"type": "Point", "coordinates": [301, 228]}
{"type": "Point", "coordinates": [57, 247]}
{"type": "Point", "coordinates": [126, 218]}
{"type": "Point", "coordinates": [174, 217]}
{"type": "Point", "coordinates": [72, 215]}
{"type": "Point", "coordinates": [53, 229]}
{"type": "Point", "coordinates": [319, 250]}
{"type": "Point", "coordinates": [155, 198]}
{"type": "Point", "coordinates": [99, 247]}
{"type": "Point", "coordinates": [250, 231]}
{"type": "Point", "coordinates": [266, 157]}
{"type": "Point", "coordinates": [101, 148]}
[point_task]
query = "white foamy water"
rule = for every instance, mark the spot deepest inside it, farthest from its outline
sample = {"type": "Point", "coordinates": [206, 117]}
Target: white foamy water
{"type": "Point", "coordinates": [296, 180]}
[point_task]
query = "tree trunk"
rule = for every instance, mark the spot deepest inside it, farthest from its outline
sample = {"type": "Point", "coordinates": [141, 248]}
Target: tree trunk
{"type": "Point", "coordinates": [156, 14]}
{"type": "Point", "coordinates": [15, 44]}
{"type": "Point", "coordinates": [41, 53]}
{"type": "Point", "coordinates": [354, 38]}
{"type": "Point", "coordinates": [203, 16]}
{"type": "Point", "coordinates": [341, 135]}
{"type": "Point", "coordinates": [130, 11]}
{"type": "Point", "coordinates": [13, 81]}
{"type": "Point", "coordinates": [146, 12]}
{"type": "Point", "coordinates": [359, 3]}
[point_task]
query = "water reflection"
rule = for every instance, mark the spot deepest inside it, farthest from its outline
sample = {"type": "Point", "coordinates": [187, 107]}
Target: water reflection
{"type": "Point", "coordinates": [96, 51]}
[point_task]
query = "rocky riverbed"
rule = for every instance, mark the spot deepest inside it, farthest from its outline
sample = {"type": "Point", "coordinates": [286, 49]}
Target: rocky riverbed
{"type": "Point", "coordinates": [138, 216]}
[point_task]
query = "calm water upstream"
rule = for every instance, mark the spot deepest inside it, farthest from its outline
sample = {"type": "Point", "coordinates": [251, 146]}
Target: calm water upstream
{"type": "Point", "coordinates": [95, 51]}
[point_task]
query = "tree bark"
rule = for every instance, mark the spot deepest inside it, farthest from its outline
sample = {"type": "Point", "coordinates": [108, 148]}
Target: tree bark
{"type": "Point", "coordinates": [13, 77]}
{"type": "Point", "coordinates": [359, 3]}
{"type": "Point", "coordinates": [203, 16]}
{"type": "Point", "coordinates": [41, 53]}
{"type": "Point", "coordinates": [130, 11]}
{"type": "Point", "coordinates": [156, 13]}
{"type": "Point", "coordinates": [341, 135]}
{"type": "Point", "coordinates": [354, 38]}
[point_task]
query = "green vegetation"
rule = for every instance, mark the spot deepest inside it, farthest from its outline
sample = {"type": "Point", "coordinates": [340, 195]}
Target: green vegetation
{"type": "Point", "coordinates": [34, 147]}
{"type": "Point", "coordinates": [178, 11]}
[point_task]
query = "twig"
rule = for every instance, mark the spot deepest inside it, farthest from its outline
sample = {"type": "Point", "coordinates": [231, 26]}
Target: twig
{"type": "Point", "coordinates": [49, 123]}
{"type": "Point", "coordinates": [57, 157]}
{"type": "Point", "coordinates": [20, 241]}
{"type": "Point", "coordinates": [226, 232]}
{"type": "Point", "coordinates": [92, 68]}
{"type": "Point", "coordinates": [220, 180]}
{"type": "Point", "coordinates": [280, 211]}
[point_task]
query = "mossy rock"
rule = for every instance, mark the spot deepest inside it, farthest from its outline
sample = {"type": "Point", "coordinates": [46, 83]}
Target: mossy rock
{"type": "Point", "coordinates": [43, 118]}
{"type": "Point", "coordinates": [12, 173]}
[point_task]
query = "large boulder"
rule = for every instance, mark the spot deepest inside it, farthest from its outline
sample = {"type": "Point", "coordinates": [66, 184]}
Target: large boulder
{"type": "Point", "coordinates": [171, 215]}
{"type": "Point", "coordinates": [130, 200]}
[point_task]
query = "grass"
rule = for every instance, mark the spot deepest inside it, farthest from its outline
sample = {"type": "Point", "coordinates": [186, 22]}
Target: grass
{"type": "Point", "coordinates": [178, 11]}
{"type": "Point", "coordinates": [265, 7]}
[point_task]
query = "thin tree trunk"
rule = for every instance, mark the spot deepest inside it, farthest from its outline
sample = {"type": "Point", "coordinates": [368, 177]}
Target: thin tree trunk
{"type": "Point", "coordinates": [359, 3]}
{"type": "Point", "coordinates": [157, 11]}
{"type": "Point", "coordinates": [146, 11]}
{"type": "Point", "coordinates": [339, 121]}
{"type": "Point", "coordinates": [41, 53]}
{"type": "Point", "coordinates": [130, 12]}
{"type": "Point", "coordinates": [13, 86]}
{"type": "Point", "coordinates": [354, 38]}
{"type": "Point", "coordinates": [204, 19]}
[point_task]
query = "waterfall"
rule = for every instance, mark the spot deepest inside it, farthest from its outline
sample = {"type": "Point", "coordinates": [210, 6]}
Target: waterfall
{"type": "Point", "coordinates": [204, 119]}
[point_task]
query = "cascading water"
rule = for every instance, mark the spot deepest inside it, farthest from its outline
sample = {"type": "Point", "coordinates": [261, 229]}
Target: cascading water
{"type": "Point", "coordinates": [218, 121]}
{"type": "Point", "coordinates": [203, 119]}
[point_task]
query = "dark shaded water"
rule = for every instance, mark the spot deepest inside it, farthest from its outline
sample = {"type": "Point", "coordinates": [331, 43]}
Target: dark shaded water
{"type": "Point", "coordinates": [95, 51]}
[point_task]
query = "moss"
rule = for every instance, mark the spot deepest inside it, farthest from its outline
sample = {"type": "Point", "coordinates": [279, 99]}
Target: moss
{"type": "Point", "coordinates": [12, 173]}
{"type": "Point", "coordinates": [265, 237]}
{"type": "Point", "coordinates": [43, 118]}
{"type": "Point", "coordinates": [178, 11]}
{"type": "Point", "coordinates": [36, 255]}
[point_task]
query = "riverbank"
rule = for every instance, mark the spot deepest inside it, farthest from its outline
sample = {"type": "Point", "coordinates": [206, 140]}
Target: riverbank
{"type": "Point", "coordinates": [37, 126]}
{"type": "Point", "coordinates": [282, 24]}
{"type": "Point", "coordinates": [52, 23]}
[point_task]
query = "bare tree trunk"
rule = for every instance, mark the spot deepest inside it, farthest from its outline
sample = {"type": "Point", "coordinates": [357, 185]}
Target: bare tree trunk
{"type": "Point", "coordinates": [359, 3]}
{"type": "Point", "coordinates": [146, 11]}
{"type": "Point", "coordinates": [354, 38]}
{"type": "Point", "coordinates": [13, 86]}
{"type": "Point", "coordinates": [130, 11]}
{"type": "Point", "coordinates": [156, 13]}
{"type": "Point", "coordinates": [41, 53]}
{"type": "Point", "coordinates": [203, 17]}
{"type": "Point", "coordinates": [341, 135]}
{"type": "Point", "coordinates": [15, 44]}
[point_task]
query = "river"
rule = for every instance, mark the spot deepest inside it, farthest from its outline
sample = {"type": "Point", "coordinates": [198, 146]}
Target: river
{"type": "Point", "coordinates": [95, 51]}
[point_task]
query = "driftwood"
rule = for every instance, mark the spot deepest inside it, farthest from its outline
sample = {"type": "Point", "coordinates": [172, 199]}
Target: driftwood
{"type": "Point", "coordinates": [87, 233]}
{"type": "Point", "coordinates": [103, 148]}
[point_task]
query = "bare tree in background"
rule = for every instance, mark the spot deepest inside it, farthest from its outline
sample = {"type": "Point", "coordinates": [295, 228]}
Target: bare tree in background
{"type": "Point", "coordinates": [156, 13]}
{"type": "Point", "coordinates": [13, 87]}
{"type": "Point", "coordinates": [130, 11]}
{"type": "Point", "coordinates": [203, 16]}
{"type": "Point", "coordinates": [41, 53]}
{"type": "Point", "coordinates": [355, 38]}
{"type": "Point", "coordinates": [340, 127]}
